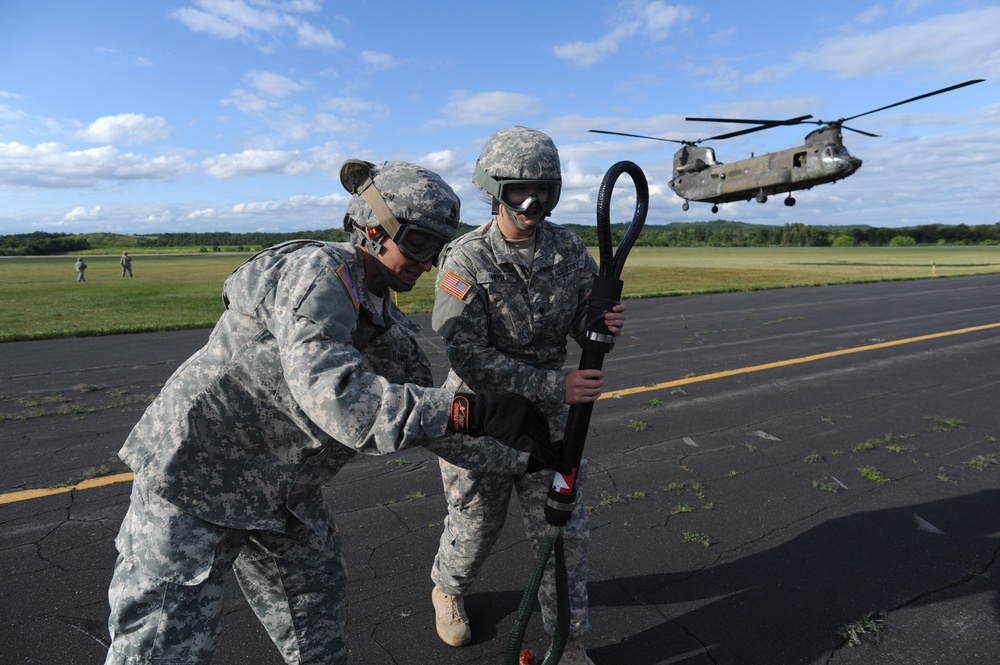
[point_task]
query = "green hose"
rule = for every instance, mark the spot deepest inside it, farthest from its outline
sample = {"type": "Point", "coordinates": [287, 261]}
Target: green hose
{"type": "Point", "coordinates": [606, 293]}
{"type": "Point", "coordinates": [553, 540]}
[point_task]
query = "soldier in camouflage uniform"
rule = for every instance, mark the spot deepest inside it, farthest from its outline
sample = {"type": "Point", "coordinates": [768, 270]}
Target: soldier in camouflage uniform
{"type": "Point", "coordinates": [310, 364]}
{"type": "Point", "coordinates": [508, 295]}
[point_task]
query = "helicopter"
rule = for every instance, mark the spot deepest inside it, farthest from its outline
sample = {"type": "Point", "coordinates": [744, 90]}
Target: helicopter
{"type": "Point", "coordinates": [823, 158]}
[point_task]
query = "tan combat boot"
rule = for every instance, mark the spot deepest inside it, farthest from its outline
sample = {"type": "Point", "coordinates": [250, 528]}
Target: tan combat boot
{"type": "Point", "coordinates": [450, 619]}
{"type": "Point", "coordinates": [575, 654]}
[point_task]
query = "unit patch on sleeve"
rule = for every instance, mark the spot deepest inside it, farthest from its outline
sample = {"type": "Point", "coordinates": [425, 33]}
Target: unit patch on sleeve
{"type": "Point", "coordinates": [345, 276]}
{"type": "Point", "coordinates": [455, 285]}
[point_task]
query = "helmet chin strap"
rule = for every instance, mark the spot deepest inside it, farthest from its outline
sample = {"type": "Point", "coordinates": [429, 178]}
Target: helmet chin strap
{"type": "Point", "coordinates": [374, 247]}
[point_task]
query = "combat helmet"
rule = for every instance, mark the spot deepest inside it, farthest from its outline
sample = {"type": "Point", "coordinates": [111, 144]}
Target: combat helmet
{"type": "Point", "coordinates": [515, 156]}
{"type": "Point", "coordinates": [410, 205]}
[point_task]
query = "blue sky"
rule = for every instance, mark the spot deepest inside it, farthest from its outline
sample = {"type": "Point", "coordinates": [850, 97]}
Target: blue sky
{"type": "Point", "coordinates": [235, 115]}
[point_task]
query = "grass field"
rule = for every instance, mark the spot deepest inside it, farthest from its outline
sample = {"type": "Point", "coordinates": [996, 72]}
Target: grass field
{"type": "Point", "coordinates": [40, 298]}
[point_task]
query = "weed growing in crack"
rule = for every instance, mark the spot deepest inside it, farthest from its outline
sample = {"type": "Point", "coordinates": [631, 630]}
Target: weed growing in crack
{"type": "Point", "coordinates": [946, 424]}
{"type": "Point", "coordinates": [608, 500]}
{"type": "Point", "coordinates": [874, 475]}
{"type": "Point", "coordinates": [696, 537]}
{"type": "Point", "coordinates": [636, 425]}
{"type": "Point", "coordinates": [868, 627]}
{"type": "Point", "coordinates": [980, 462]}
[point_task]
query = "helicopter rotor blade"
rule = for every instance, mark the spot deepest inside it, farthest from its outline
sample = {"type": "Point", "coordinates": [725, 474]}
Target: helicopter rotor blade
{"type": "Point", "coordinates": [913, 99]}
{"type": "Point", "coordinates": [859, 131]}
{"type": "Point", "coordinates": [761, 125]}
{"type": "Point", "coordinates": [741, 132]}
{"type": "Point", "coordinates": [770, 123]}
{"type": "Point", "coordinates": [639, 136]}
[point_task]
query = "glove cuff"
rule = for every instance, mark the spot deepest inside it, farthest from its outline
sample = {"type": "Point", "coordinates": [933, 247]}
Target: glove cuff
{"type": "Point", "coordinates": [460, 418]}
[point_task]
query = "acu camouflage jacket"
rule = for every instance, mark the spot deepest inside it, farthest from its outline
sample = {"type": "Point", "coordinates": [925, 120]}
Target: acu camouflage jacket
{"type": "Point", "coordinates": [300, 373]}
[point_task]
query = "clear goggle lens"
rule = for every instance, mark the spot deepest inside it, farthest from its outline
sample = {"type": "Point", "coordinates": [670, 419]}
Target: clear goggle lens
{"type": "Point", "coordinates": [520, 195]}
{"type": "Point", "coordinates": [419, 244]}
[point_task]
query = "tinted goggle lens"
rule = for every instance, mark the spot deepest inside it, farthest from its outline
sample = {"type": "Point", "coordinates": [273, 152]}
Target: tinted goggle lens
{"type": "Point", "coordinates": [520, 195]}
{"type": "Point", "coordinates": [419, 244]}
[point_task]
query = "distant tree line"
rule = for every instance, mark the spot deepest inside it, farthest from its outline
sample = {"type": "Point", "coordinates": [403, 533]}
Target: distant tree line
{"type": "Point", "coordinates": [41, 244]}
{"type": "Point", "coordinates": [722, 233]}
{"type": "Point", "coordinates": [226, 239]}
{"type": "Point", "coordinates": [717, 233]}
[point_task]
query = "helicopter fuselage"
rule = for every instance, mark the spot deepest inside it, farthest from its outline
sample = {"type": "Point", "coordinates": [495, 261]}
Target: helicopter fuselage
{"type": "Point", "coordinates": [822, 159]}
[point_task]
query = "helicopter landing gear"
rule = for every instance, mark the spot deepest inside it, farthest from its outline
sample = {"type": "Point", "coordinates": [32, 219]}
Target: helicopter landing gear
{"type": "Point", "coordinates": [789, 201]}
{"type": "Point", "coordinates": [685, 206]}
{"type": "Point", "coordinates": [761, 197]}
{"type": "Point", "coordinates": [715, 208]}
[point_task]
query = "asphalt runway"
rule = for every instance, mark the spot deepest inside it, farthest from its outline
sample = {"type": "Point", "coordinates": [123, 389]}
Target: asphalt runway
{"type": "Point", "coordinates": [769, 473]}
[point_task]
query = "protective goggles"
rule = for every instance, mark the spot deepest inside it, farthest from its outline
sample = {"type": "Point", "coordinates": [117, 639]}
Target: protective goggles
{"type": "Point", "coordinates": [519, 195]}
{"type": "Point", "coordinates": [414, 241]}
{"type": "Point", "coordinates": [419, 244]}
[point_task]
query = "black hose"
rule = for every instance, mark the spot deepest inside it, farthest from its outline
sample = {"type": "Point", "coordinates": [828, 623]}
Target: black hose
{"type": "Point", "coordinates": [597, 342]}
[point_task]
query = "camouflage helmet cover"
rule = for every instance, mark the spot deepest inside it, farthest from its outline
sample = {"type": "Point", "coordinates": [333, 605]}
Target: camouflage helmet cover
{"type": "Point", "coordinates": [519, 153]}
{"type": "Point", "coordinates": [412, 193]}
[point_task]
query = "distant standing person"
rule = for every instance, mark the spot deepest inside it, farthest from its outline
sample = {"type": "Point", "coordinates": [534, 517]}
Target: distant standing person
{"type": "Point", "coordinates": [126, 264]}
{"type": "Point", "coordinates": [80, 267]}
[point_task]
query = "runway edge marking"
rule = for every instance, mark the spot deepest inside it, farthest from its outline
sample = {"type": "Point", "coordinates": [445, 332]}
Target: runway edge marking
{"type": "Point", "coordinates": [25, 495]}
{"type": "Point", "coordinates": [793, 361]}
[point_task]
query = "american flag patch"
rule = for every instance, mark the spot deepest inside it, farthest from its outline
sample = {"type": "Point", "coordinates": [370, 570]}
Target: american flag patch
{"type": "Point", "coordinates": [345, 276]}
{"type": "Point", "coordinates": [455, 285]}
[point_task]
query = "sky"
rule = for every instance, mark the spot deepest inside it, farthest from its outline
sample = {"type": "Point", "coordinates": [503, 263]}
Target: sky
{"type": "Point", "coordinates": [235, 115]}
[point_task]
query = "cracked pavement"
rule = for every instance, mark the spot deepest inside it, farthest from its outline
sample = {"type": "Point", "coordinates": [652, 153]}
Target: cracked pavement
{"type": "Point", "coordinates": [771, 474]}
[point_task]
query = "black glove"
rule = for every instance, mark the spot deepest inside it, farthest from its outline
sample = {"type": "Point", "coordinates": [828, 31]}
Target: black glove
{"type": "Point", "coordinates": [509, 418]}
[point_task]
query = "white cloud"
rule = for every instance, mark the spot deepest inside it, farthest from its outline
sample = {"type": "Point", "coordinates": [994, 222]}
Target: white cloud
{"type": "Point", "coordinates": [250, 162]}
{"type": "Point", "coordinates": [379, 60]}
{"type": "Point", "coordinates": [651, 20]}
{"type": "Point", "coordinates": [7, 113]}
{"type": "Point", "coordinates": [443, 160]}
{"type": "Point", "coordinates": [950, 42]}
{"type": "Point", "coordinates": [249, 102]}
{"type": "Point", "coordinates": [126, 128]}
{"type": "Point", "coordinates": [488, 108]}
{"type": "Point", "coordinates": [81, 213]}
{"type": "Point", "coordinates": [297, 211]}
{"type": "Point", "coordinates": [272, 84]}
{"type": "Point", "coordinates": [351, 105]}
{"type": "Point", "coordinates": [50, 165]}
{"type": "Point", "coordinates": [584, 54]}
{"type": "Point", "coordinates": [236, 19]}
{"type": "Point", "coordinates": [870, 15]}
{"type": "Point", "coordinates": [311, 36]}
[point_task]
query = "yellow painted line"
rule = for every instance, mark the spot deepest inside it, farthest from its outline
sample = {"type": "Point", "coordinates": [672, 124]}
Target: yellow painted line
{"type": "Point", "coordinates": [26, 495]}
{"type": "Point", "coordinates": [794, 361]}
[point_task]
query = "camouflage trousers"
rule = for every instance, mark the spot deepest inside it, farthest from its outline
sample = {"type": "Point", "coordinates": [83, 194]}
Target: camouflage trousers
{"type": "Point", "coordinates": [477, 508]}
{"type": "Point", "coordinates": [166, 591]}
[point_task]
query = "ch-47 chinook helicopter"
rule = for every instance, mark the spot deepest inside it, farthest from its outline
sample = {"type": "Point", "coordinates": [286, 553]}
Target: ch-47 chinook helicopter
{"type": "Point", "coordinates": [823, 158]}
